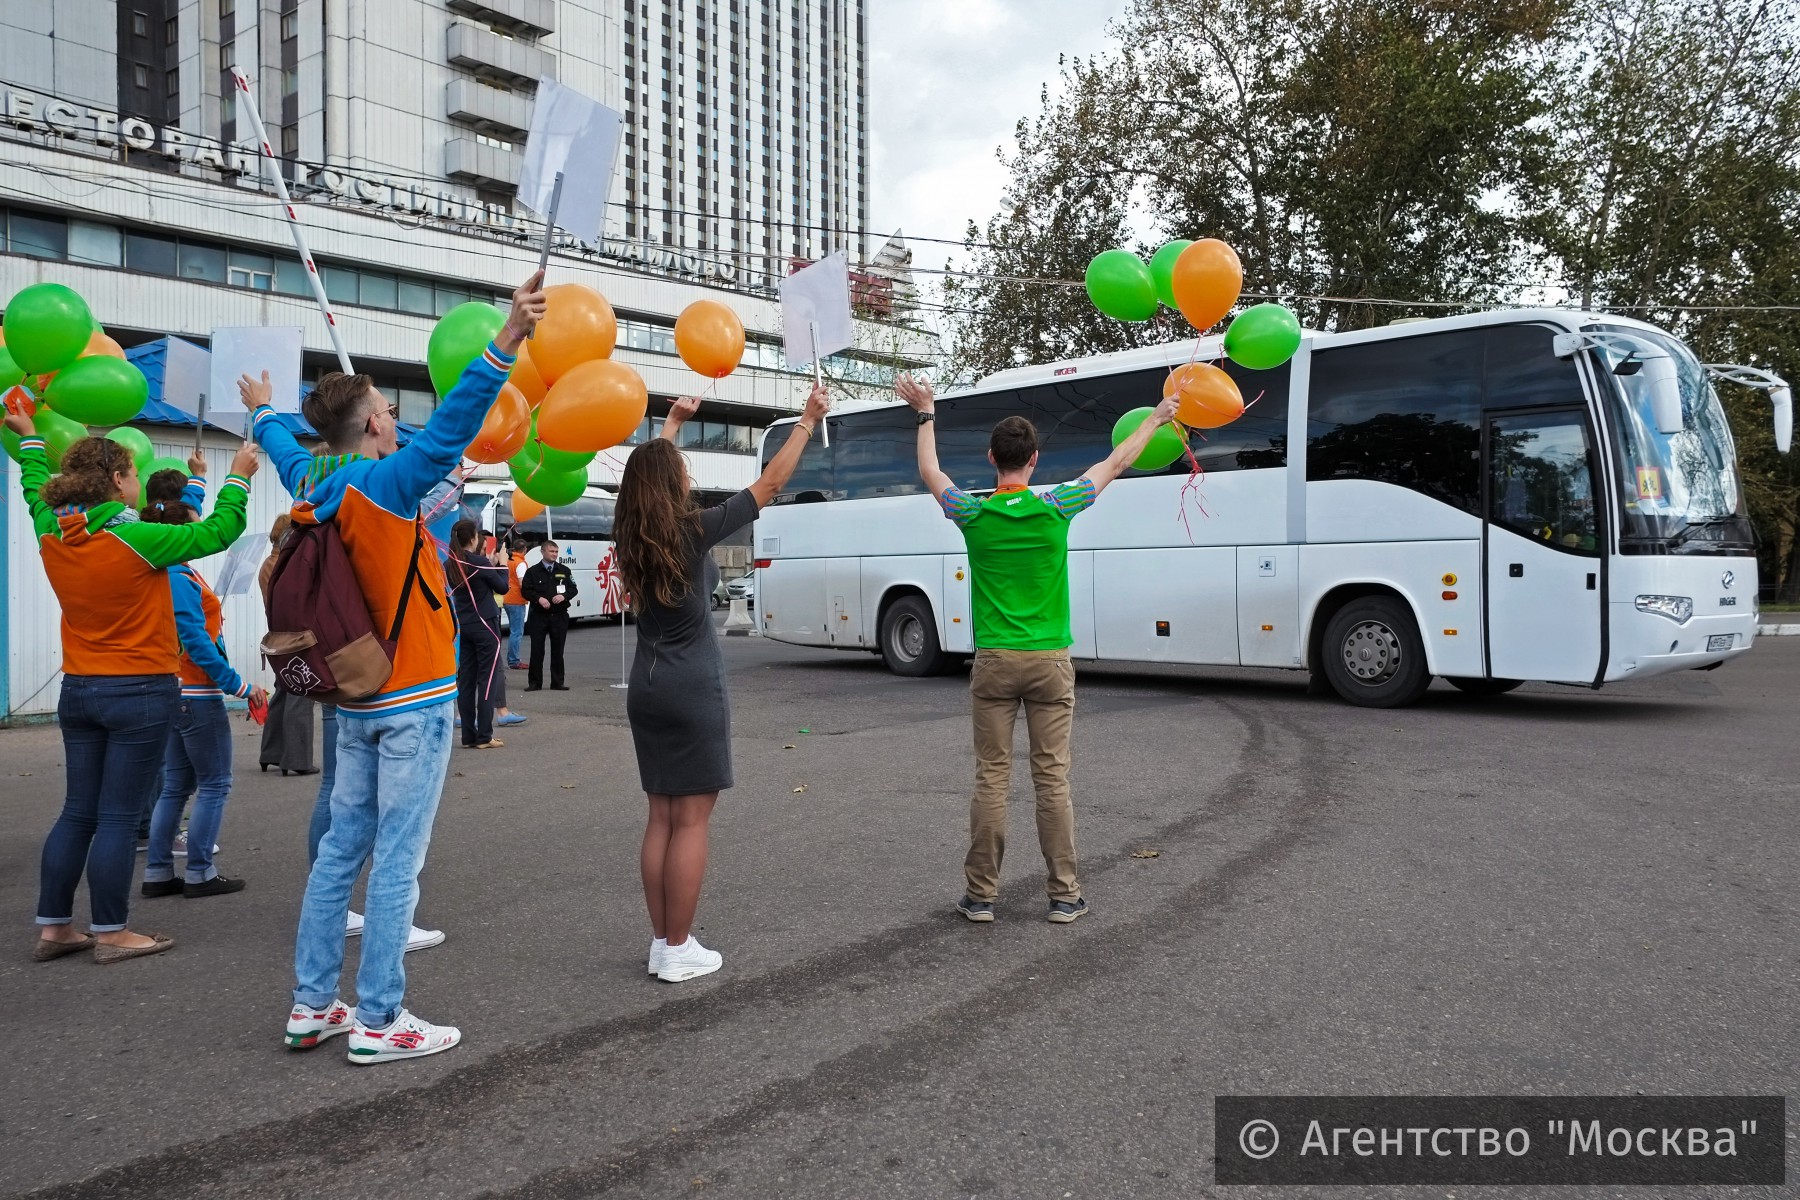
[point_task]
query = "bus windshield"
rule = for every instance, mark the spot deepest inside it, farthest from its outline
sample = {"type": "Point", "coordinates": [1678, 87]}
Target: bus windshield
{"type": "Point", "coordinates": [1677, 490]}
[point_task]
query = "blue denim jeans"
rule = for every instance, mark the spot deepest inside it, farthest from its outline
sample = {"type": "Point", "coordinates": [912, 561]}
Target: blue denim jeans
{"type": "Point", "coordinates": [515, 632]}
{"type": "Point", "coordinates": [198, 764]}
{"type": "Point", "coordinates": [321, 814]}
{"type": "Point", "coordinates": [113, 729]}
{"type": "Point", "coordinates": [390, 774]}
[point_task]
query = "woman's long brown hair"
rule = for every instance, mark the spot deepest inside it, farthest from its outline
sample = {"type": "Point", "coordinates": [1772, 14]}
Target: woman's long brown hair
{"type": "Point", "coordinates": [652, 523]}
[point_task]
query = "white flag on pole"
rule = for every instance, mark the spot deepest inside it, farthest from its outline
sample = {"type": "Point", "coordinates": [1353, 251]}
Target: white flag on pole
{"type": "Point", "coordinates": [187, 374]}
{"type": "Point", "coordinates": [242, 563]}
{"type": "Point", "coordinates": [578, 138]}
{"type": "Point", "coordinates": [817, 297]}
{"type": "Point", "coordinates": [250, 350]}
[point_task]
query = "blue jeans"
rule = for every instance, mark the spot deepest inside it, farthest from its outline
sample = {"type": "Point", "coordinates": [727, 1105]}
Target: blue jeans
{"type": "Point", "coordinates": [390, 775]}
{"type": "Point", "coordinates": [113, 729]}
{"type": "Point", "coordinates": [198, 764]}
{"type": "Point", "coordinates": [515, 632]}
{"type": "Point", "coordinates": [321, 815]}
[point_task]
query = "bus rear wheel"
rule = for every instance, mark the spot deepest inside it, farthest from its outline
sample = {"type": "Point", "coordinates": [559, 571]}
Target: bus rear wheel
{"type": "Point", "coordinates": [909, 640]}
{"type": "Point", "coordinates": [1482, 687]}
{"type": "Point", "coordinates": [1373, 654]}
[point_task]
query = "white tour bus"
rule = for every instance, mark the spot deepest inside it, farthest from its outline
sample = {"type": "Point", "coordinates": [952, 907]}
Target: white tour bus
{"type": "Point", "coordinates": [1493, 498]}
{"type": "Point", "coordinates": [582, 532]}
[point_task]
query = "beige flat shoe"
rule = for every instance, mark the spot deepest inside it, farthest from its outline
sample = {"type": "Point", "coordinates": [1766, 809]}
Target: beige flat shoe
{"type": "Point", "coordinates": [106, 955]}
{"type": "Point", "coordinates": [495, 744]}
{"type": "Point", "coordinates": [47, 950]}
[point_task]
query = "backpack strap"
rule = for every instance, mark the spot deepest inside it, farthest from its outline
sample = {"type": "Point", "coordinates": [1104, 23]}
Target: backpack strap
{"type": "Point", "coordinates": [406, 588]}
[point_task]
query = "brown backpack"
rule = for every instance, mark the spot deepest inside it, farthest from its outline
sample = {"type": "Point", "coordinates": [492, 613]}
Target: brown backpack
{"type": "Point", "coordinates": [322, 643]}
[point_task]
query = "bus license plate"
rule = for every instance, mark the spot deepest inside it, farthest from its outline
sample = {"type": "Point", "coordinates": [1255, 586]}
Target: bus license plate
{"type": "Point", "coordinates": [1721, 641]}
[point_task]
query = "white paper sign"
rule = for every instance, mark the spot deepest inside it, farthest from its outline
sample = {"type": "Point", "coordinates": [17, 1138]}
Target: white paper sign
{"type": "Point", "coordinates": [580, 138]}
{"type": "Point", "coordinates": [817, 296]}
{"type": "Point", "coordinates": [250, 350]}
{"type": "Point", "coordinates": [242, 563]}
{"type": "Point", "coordinates": [187, 372]}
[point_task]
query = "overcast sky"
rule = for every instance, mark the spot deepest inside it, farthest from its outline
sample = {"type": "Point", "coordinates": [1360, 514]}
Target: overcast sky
{"type": "Point", "coordinates": [948, 80]}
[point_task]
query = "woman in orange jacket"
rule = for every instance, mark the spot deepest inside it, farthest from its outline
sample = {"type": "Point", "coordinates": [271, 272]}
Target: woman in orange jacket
{"type": "Point", "coordinates": [120, 660]}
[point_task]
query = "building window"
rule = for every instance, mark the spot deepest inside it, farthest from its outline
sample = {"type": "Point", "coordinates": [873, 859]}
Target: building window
{"type": "Point", "coordinates": [40, 237]}
{"type": "Point", "coordinates": [228, 56]}
{"type": "Point", "coordinates": [340, 284]}
{"type": "Point", "coordinates": [290, 81]}
{"type": "Point", "coordinates": [290, 278]}
{"type": "Point", "coordinates": [201, 262]}
{"type": "Point", "coordinates": [498, 144]}
{"type": "Point", "coordinates": [290, 141]}
{"type": "Point", "coordinates": [172, 81]}
{"type": "Point", "coordinates": [290, 26]}
{"type": "Point", "coordinates": [96, 244]}
{"type": "Point", "coordinates": [140, 24]}
{"type": "Point", "coordinates": [171, 31]}
{"type": "Point", "coordinates": [378, 291]}
{"type": "Point", "coordinates": [416, 404]}
{"type": "Point", "coordinates": [253, 271]}
{"type": "Point", "coordinates": [417, 296]}
{"type": "Point", "coordinates": [140, 75]}
{"type": "Point", "coordinates": [150, 254]}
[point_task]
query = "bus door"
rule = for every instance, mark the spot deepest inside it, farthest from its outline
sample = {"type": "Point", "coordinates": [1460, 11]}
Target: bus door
{"type": "Point", "coordinates": [1542, 548]}
{"type": "Point", "coordinates": [958, 632]}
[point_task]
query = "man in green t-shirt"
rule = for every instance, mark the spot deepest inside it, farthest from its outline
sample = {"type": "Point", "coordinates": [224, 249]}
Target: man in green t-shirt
{"type": "Point", "coordinates": [1018, 544]}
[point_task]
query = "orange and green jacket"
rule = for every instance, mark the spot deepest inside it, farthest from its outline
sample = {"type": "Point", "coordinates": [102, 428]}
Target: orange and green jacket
{"type": "Point", "coordinates": [108, 570]}
{"type": "Point", "coordinates": [376, 506]}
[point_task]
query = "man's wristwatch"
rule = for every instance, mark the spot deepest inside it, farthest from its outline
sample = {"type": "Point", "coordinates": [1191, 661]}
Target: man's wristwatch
{"type": "Point", "coordinates": [927, 416]}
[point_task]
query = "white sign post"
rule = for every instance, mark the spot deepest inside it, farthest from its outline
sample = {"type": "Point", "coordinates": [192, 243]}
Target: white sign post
{"type": "Point", "coordinates": [815, 316]}
{"type": "Point", "coordinates": [568, 168]}
{"type": "Point", "coordinates": [250, 350]}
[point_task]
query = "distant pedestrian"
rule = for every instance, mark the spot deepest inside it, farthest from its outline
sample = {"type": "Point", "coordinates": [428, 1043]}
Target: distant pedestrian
{"type": "Point", "coordinates": [679, 710]}
{"type": "Point", "coordinates": [514, 601]}
{"type": "Point", "coordinates": [120, 659]}
{"type": "Point", "coordinates": [475, 579]}
{"type": "Point", "coordinates": [549, 588]}
{"type": "Point", "coordinates": [1018, 543]}
{"type": "Point", "coordinates": [287, 736]}
{"type": "Point", "coordinates": [197, 759]}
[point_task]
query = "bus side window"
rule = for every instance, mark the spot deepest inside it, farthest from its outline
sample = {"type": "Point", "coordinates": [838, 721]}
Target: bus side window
{"type": "Point", "coordinates": [1404, 410]}
{"type": "Point", "coordinates": [1524, 372]}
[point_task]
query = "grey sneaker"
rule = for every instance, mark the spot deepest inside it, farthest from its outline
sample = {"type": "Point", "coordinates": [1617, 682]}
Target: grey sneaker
{"type": "Point", "coordinates": [1062, 911]}
{"type": "Point", "coordinates": [975, 910]}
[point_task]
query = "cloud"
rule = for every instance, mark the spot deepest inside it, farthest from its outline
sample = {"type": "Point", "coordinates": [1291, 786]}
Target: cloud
{"type": "Point", "coordinates": [949, 81]}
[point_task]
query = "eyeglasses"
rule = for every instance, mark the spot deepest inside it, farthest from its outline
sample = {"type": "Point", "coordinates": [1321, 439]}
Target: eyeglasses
{"type": "Point", "coordinates": [393, 412]}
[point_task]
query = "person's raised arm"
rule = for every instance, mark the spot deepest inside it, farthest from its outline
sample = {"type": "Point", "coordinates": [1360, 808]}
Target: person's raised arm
{"type": "Point", "coordinates": [194, 494]}
{"type": "Point", "coordinates": [679, 412]}
{"type": "Point", "coordinates": [918, 395]}
{"type": "Point", "coordinates": [166, 545]}
{"type": "Point", "coordinates": [775, 476]}
{"type": "Point", "coordinates": [1127, 451]}
{"type": "Point", "coordinates": [34, 463]}
{"type": "Point", "coordinates": [285, 451]}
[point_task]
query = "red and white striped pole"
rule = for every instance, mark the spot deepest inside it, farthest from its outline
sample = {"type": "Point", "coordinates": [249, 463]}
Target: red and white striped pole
{"type": "Point", "coordinates": [287, 204]}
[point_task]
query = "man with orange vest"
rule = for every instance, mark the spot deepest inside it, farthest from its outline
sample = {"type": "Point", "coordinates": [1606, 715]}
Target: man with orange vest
{"type": "Point", "coordinates": [514, 600]}
{"type": "Point", "coordinates": [393, 747]}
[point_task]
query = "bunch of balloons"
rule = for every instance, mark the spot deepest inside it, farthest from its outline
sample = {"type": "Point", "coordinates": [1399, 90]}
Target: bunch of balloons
{"type": "Point", "coordinates": [72, 374]}
{"type": "Point", "coordinates": [565, 400]}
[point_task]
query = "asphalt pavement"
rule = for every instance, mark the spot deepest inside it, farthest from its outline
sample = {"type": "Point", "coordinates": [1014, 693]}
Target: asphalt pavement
{"type": "Point", "coordinates": [1554, 891]}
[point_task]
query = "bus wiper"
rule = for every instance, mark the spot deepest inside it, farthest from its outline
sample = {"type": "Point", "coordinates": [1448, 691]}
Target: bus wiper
{"type": "Point", "coordinates": [1692, 527]}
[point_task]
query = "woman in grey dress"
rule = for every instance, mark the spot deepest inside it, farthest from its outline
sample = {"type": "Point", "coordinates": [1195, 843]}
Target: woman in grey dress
{"type": "Point", "coordinates": [680, 714]}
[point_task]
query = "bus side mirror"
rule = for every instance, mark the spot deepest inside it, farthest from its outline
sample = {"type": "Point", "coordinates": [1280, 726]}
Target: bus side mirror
{"type": "Point", "coordinates": [1665, 392]}
{"type": "Point", "coordinates": [1783, 399]}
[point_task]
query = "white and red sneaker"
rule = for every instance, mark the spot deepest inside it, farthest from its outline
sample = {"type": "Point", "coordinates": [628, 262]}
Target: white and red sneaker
{"type": "Point", "coordinates": [407, 1037]}
{"type": "Point", "coordinates": [308, 1026]}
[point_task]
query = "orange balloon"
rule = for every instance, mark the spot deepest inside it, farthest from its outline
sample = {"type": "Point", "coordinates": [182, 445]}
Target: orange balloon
{"type": "Point", "coordinates": [1206, 282]}
{"type": "Point", "coordinates": [525, 377]}
{"type": "Point", "coordinates": [578, 327]}
{"type": "Point", "coordinates": [710, 338]}
{"type": "Point", "coordinates": [1209, 397]}
{"type": "Point", "coordinates": [524, 507]}
{"type": "Point", "coordinates": [594, 407]}
{"type": "Point", "coordinates": [99, 343]}
{"type": "Point", "coordinates": [505, 429]}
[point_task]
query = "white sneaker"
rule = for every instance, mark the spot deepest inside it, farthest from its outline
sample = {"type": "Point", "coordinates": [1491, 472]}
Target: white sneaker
{"type": "Point", "coordinates": [308, 1026]}
{"type": "Point", "coordinates": [407, 1037]}
{"type": "Point", "coordinates": [417, 939]}
{"type": "Point", "coordinates": [658, 948]}
{"type": "Point", "coordinates": [688, 961]}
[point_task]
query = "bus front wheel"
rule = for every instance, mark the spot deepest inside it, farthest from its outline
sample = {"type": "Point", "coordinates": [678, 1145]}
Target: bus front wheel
{"type": "Point", "coordinates": [909, 640]}
{"type": "Point", "coordinates": [1373, 654]}
{"type": "Point", "coordinates": [1482, 687]}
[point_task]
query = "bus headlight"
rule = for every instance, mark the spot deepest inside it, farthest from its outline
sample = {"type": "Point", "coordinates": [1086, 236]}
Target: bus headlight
{"type": "Point", "coordinates": [1677, 608]}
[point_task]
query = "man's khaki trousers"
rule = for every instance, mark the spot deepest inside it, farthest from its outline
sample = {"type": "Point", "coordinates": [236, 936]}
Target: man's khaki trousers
{"type": "Point", "coordinates": [1044, 682]}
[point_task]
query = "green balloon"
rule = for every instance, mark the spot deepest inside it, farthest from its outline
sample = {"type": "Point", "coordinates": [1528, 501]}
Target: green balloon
{"type": "Point", "coordinates": [1166, 444]}
{"type": "Point", "coordinates": [550, 457]}
{"type": "Point", "coordinates": [47, 327]}
{"type": "Point", "coordinates": [59, 434]}
{"type": "Point", "coordinates": [1262, 336]}
{"type": "Point", "coordinates": [98, 390]}
{"type": "Point", "coordinates": [146, 470]}
{"type": "Point", "coordinates": [552, 488]}
{"type": "Point", "coordinates": [1162, 269]}
{"type": "Point", "coordinates": [1119, 284]}
{"type": "Point", "coordinates": [11, 373]}
{"type": "Point", "coordinates": [458, 339]}
{"type": "Point", "coordinates": [136, 441]}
